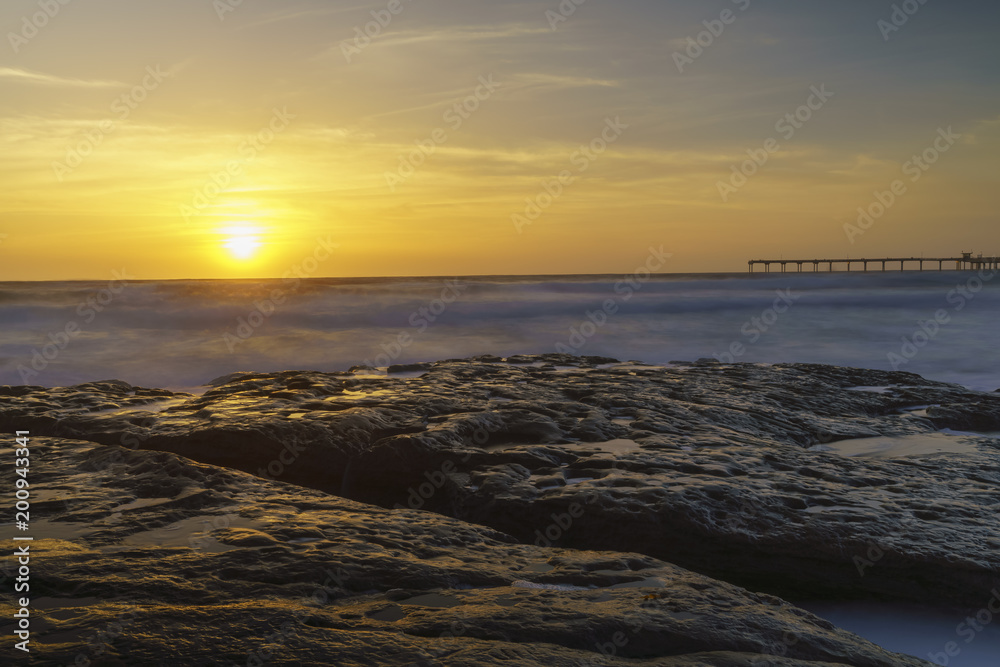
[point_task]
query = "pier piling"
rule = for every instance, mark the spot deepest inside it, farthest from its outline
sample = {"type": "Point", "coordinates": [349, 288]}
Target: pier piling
{"type": "Point", "coordinates": [964, 263]}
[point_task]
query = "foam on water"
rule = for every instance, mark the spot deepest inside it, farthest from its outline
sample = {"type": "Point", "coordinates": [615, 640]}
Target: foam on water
{"type": "Point", "coordinates": [174, 334]}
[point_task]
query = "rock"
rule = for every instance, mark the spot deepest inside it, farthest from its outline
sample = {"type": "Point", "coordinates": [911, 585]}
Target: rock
{"type": "Point", "coordinates": [726, 470]}
{"type": "Point", "coordinates": [408, 368]}
{"type": "Point", "coordinates": [8, 390]}
{"type": "Point", "coordinates": [147, 557]}
{"type": "Point", "coordinates": [979, 416]}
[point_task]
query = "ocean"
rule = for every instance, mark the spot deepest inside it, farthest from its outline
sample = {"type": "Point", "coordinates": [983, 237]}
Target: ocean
{"type": "Point", "coordinates": [181, 334]}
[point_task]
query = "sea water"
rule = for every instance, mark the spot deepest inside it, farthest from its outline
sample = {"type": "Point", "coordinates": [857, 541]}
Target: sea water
{"type": "Point", "coordinates": [957, 638]}
{"type": "Point", "coordinates": [181, 334]}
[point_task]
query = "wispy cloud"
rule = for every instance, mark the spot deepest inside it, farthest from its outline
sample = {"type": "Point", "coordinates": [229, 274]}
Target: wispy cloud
{"type": "Point", "coordinates": [544, 80]}
{"type": "Point", "coordinates": [282, 16]}
{"type": "Point", "coordinates": [986, 127]}
{"type": "Point", "coordinates": [42, 79]}
{"type": "Point", "coordinates": [454, 35]}
{"type": "Point", "coordinates": [469, 33]}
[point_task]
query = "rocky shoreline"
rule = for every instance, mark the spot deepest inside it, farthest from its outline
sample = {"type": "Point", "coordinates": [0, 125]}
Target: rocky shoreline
{"type": "Point", "coordinates": [537, 509]}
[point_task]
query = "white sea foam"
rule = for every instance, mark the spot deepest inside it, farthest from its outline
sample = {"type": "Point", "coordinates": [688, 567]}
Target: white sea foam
{"type": "Point", "coordinates": [170, 334]}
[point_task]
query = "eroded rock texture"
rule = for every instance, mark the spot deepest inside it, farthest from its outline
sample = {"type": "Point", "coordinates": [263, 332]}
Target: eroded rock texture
{"type": "Point", "coordinates": [151, 558]}
{"type": "Point", "coordinates": [217, 514]}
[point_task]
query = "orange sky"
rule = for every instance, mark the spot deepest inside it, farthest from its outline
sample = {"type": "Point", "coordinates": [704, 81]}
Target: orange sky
{"type": "Point", "coordinates": [182, 140]}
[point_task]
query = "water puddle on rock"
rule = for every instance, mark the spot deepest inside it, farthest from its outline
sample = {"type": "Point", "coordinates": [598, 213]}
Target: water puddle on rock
{"type": "Point", "coordinates": [47, 529]}
{"type": "Point", "coordinates": [153, 406]}
{"type": "Point", "coordinates": [434, 600]}
{"type": "Point", "coordinates": [922, 444]}
{"type": "Point", "coordinates": [538, 568]}
{"type": "Point", "coordinates": [361, 393]}
{"type": "Point", "coordinates": [617, 447]}
{"type": "Point", "coordinates": [917, 410]}
{"type": "Point", "coordinates": [194, 533]}
{"type": "Point", "coordinates": [926, 633]}
{"type": "Point", "coordinates": [995, 435]}
{"type": "Point", "coordinates": [649, 582]}
{"type": "Point", "coordinates": [547, 587]}
{"type": "Point", "coordinates": [390, 614]}
{"type": "Point", "coordinates": [141, 503]}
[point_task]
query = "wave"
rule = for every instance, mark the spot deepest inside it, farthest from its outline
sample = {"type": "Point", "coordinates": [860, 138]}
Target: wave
{"type": "Point", "coordinates": [174, 333]}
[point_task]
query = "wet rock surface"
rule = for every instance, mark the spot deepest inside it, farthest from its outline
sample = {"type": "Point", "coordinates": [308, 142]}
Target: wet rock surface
{"type": "Point", "coordinates": [728, 470]}
{"type": "Point", "coordinates": [147, 557]}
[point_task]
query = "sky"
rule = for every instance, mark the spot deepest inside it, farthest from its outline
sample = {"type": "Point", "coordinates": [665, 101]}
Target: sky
{"type": "Point", "coordinates": [238, 139]}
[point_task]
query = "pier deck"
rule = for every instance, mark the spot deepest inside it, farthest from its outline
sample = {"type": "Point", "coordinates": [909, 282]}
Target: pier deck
{"type": "Point", "coordinates": [964, 263]}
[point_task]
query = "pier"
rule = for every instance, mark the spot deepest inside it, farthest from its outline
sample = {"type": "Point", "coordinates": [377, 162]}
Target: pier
{"type": "Point", "coordinates": [964, 263]}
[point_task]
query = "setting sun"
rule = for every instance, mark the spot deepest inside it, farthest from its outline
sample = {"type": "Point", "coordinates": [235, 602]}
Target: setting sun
{"type": "Point", "coordinates": [242, 243]}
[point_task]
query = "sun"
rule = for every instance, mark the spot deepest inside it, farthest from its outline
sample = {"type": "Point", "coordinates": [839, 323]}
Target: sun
{"type": "Point", "coordinates": [243, 247]}
{"type": "Point", "coordinates": [243, 243]}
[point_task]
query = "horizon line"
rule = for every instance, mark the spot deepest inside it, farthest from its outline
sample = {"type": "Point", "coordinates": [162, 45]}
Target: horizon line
{"type": "Point", "coordinates": [742, 274]}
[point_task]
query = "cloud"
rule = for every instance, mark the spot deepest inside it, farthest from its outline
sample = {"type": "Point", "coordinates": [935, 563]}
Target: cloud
{"type": "Point", "coordinates": [282, 16]}
{"type": "Point", "coordinates": [460, 35]}
{"type": "Point", "coordinates": [986, 128]}
{"type": "Point", "coordinates": [38, 78]}
{"type": "Point", "coordinates": [540, 79]}
{"type": "Point", "coordinates": [469, 33]}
